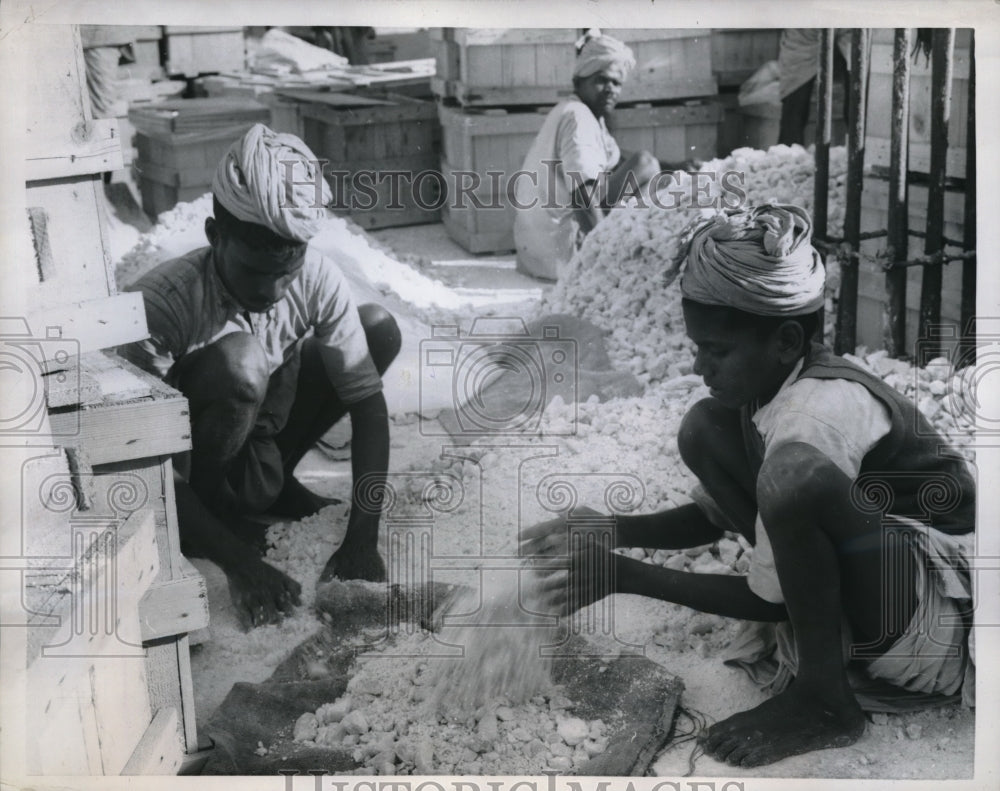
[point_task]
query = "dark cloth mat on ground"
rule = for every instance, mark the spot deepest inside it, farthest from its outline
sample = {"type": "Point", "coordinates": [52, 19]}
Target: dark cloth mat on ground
{"type": "Point", "coordinates": [635, 697]}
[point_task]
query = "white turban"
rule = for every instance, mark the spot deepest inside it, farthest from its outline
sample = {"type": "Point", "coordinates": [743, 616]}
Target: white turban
{"type": "Point", "coordinates": [757, 260]}
{"type": "Point", "coordinates": [273, 180]}
{"type": "Point", "coordinates": [598, 52]}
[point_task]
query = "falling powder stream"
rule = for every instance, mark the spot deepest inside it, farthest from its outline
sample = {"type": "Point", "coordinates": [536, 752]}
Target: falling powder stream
{"type": "Point", "coordinates": [502, 629]}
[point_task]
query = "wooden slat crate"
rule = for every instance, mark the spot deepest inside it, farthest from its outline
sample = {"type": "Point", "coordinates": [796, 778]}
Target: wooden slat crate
{"type": "Point", "coordinates": [481, 67]}
{"type": "Point", "coordinates": [390, 133]}
{"type": "Point", "coordinates": [497, 141]}
{"type": "Point", "coordinates": [672, 133]}
{"type": "Point", "coordinates": [871, 279]}
{"type": "Point", "coordinates": [191, 51]}
{"type": "Point", "coordinates": [878, 129]}
{"type": "Point", "coordinates": [670, 64]}
{"type": "Point", "coordinates": [739, 52]}
{"type": "Point", "coordinates": [504, 66]}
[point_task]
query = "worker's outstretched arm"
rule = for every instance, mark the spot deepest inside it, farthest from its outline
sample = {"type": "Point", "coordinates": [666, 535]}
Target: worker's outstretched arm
{"type": "Point", "coordinates": [358, 557]}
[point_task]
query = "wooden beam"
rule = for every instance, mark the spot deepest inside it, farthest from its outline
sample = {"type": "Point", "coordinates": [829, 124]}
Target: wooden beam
{"type": "Point", "coordinates": [92, 146]}
{"type": "Point", "coordinates": [133, 430]}
{"type": "Point", "coordinates": [87, 326]}
{"type": "Point", "coordinates": [172, 607]}
{"type": "Point", "coordinates": [159, 751]}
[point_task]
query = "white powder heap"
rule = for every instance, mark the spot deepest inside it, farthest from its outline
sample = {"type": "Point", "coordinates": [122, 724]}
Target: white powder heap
{"type": "Point", "coordinates": [617, 278]}
{"type": "Point", "coordinates": [386, 721]}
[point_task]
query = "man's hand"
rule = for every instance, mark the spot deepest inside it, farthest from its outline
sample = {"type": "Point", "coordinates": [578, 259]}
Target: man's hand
{"type": "Point", "coordinates": [354, 563]}
{"type": "Point", "coordinates": [573, 559]}
{"type": "Point", "coordinates": [261, 593]}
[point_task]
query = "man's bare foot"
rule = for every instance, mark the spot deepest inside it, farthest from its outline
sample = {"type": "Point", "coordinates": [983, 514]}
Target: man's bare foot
{"type": "Point", "coordinates": [350, 563]}
{"type": "Point", "coordinates": [261, 593]}
{"type": "Point", "coordinates": [791, 723]}
{"type": "Point", "coordinates": [295, 501]}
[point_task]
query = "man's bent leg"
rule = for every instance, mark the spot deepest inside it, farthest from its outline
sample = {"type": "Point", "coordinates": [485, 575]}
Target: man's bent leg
{"type": "Point", "coordinates": [224, 384]}
{"type": "Point", "coordinates": [831, 559]}
{"type": "Point", "coordinates": [317, 407]}
{"type": "Point", "coordinates": [638, 169]}
{"type": "Point", "coordinates": [710, 441]}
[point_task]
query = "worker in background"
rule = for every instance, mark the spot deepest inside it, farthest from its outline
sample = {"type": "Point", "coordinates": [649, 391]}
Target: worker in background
{"type": "Point", "coordinates": [260, 332]}
{"type": "Point", "coordinates": [858, 591]}
{"type": "Point", "coordinates": [798, 61]}
{"type": "Point", "coordinates": [577, 172]}
{"type": "Point", "coordinates": [105, 47]}
{"type": "Point", "coordinates": [351, 42]}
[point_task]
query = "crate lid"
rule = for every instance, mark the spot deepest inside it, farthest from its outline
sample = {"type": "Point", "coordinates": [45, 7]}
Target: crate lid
{"type": "Point", "coordinates": [197, 115]}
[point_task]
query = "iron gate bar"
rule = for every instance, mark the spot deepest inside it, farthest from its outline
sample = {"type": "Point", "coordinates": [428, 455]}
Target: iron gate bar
{"type": "Point", "coordinates": [894, 330]}
{"type": "Point", "coordinates": [968, 303]}
{"type": "Point", "coordinates": [942, 50]}
{"type": "Point", "coordinates": [824, 135]}
{"type": "Point", "coordinates": [847, 306]}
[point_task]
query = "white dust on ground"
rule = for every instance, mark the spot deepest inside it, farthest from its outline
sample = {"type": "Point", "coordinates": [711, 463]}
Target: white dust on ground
{"type": "Point", "coordinates": [628, 441]}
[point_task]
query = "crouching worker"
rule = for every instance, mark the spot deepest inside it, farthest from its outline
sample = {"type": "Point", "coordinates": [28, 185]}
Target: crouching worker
{"type": "Point", "coordinates": [261, 334]}
{"type": "Point", "coordinates": [574, 171]}
{"type": "Point", "coordinates": [861, 520]}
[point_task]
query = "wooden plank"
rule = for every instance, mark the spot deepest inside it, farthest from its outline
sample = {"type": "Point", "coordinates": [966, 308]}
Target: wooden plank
{"type": "Point", "coordinates": [70, 388]}
{"type": "Point", "coordinates": [77, 231]}
{"type": "Point", "coordinates": [87, 675]}
{"type": "Point", "coordinates": [133, 430]}
{"type": "Point", "coordinates": [88, 147]}
{"type": "Point", "coordinates": [168, 669]}
{"type": "Point", "coordinates": [173, 607]}
{"type": "Point", "coordinates": [88, 326]}
{"type": "Point", "coordinates": [160, 750]}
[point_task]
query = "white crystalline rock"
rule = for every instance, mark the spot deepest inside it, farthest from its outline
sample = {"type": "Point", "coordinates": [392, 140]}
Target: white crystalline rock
{"type": "Point", "coordinates": [621, 278]}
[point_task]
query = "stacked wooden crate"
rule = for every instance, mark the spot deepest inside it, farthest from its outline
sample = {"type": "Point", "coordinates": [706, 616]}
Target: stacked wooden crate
{"type": "Point", "coordinates": [180, 142]}
{"type": "Point", "coordinates": [190, 50]}
{"type": "Point", "coordinates": [376, 145]}
{"type": "Point", "coordinates": [878, 122]}
{"type": "Point", "coordinates": [107, 600]}
{"type": "Point", "coordinates": [495, 87]}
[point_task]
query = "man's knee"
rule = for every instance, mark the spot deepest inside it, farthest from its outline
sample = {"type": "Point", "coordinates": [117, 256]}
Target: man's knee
{"type": "Point", "coordinates": [382, 333]}
{"type": "Point", "coordinates": [697, 438]}
{"type": "Point", "coordinates": [646, 166]}
{"type": "Point", "coordinates": [796, 477]}
{"type": "Point", "coordinates": [233, 367]}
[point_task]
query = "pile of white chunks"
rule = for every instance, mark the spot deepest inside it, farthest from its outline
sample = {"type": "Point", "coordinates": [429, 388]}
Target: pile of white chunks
{"type": "Point", "coordinates": [388, 724]}
{"type": "Point", "coordinates": [621, 279]}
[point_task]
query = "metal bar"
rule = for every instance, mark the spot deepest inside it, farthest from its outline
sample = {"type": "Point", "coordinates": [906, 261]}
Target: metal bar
{"type": "Point", "coordinates": [968, 309]}
{"type": "Point", "coordinates": [847, 305]}
{"type": "Point", "coordinates": [824, 131]}
{"type": "Point", "coordinates": [934, 259]}
{"type": "Point", "coordinates": [942, 48]}
{"type": "Point", "coordinates": [898, 239]}
{"type": "Point", "coordinates": [824, 126]}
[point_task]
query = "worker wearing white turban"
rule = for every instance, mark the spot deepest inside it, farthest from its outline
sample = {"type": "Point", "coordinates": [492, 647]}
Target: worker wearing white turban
{"type": "Point", "coordinates": [574, 170]}
{"type": "Point", "coordinates": [596, 52]}
{"type": "Point", "coordinates": [274, 180]}
{"type": "Point", "coordinates": [758, 260]}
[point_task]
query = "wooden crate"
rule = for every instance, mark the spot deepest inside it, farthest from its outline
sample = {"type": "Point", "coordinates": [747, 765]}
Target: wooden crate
{"type": "Point", "coordinates": [671, 133]}
{"type": "Point", "coordinates": [503, 66]}
{"type": "Point", "coordinates": [739, 52]}
{"type": "Point", "coordinates": [879, 119]}
{"type": "Point", "coordinates": [496, 141]}
{"type": "Point", "coordinates": [381, 135]}
{"type": "Point", "coordinates": [671, 63]}
{"type": "Point", "coordinates": [480, 67]}
{"type": "Point", "coordinates": [871, 279]}
{"type": "Point", "coordinates": [191, 51]}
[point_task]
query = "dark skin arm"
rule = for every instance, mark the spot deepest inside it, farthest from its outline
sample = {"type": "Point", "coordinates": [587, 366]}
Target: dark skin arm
{"type": "Point", "coordinates": [587, 202]}
{"type": "Point", "coordinates": [574, 580]}
{"type": "Point", "coordinates": [260, 591]}
{"type": "Point", "coordinates": [358, 557]}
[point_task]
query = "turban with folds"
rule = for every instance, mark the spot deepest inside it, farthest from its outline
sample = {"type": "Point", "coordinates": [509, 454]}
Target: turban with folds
{"type": "Point", "coordinates": [758, 260]}
{"type": "Point", "coordinates": [273, 180]}
{"type": "Point", "coordinates": [596, 52]}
